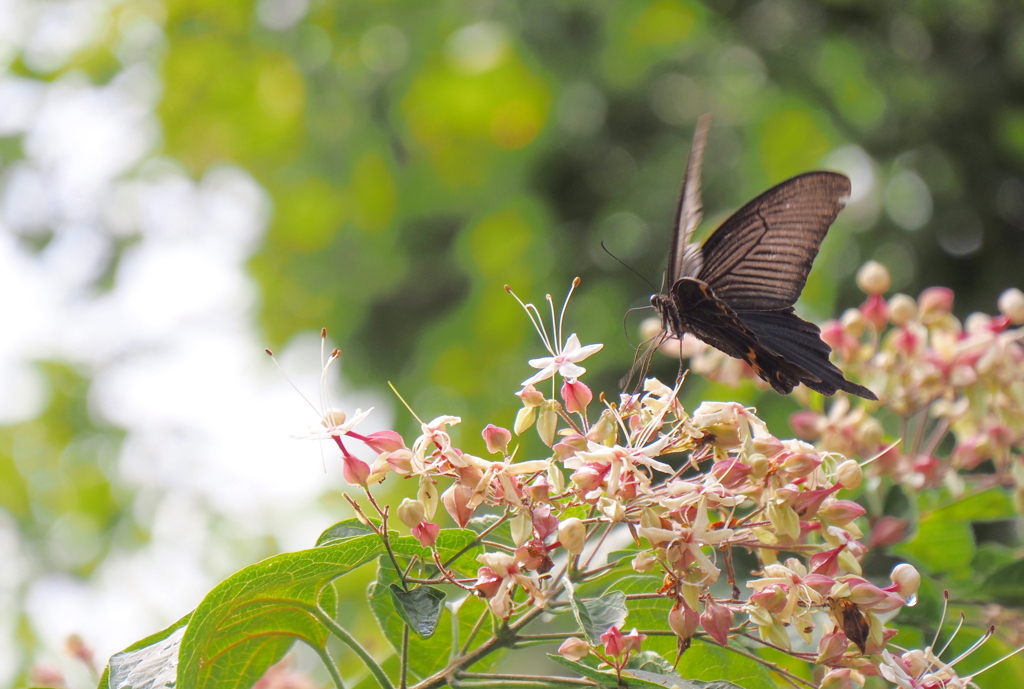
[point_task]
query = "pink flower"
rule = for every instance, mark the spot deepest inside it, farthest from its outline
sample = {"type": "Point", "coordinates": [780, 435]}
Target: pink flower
{"type": "Point", "coordinates": [426, 533]}
{"type": "Point", "coordinates": [496, 438]}
{"type": "Point", "coordinates": [355, 470]}
{"type": "Point", "coordinates": [574, 649]}
{"type": "Point", "coordinates": [577, 396]}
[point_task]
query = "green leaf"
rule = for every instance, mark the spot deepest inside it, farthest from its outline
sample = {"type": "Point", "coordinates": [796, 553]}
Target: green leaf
{"type": "Point", "coordinates": [710, 663]}
{"type": "Point", "coordinates": [631, 679]}
{"type": "Point", "coordinates": [988, 505]}
{"type": "Point", "coordinates": [427, 656]}
{"type": "Point", "coordinates": [1005, 585]}
{"type": "Point", "coordinates": [147, 664]}
{"type": "Point", "coordinates": [420, 608]}
{"type": "Point", "coordinates": [941, 545]}
{"type": "Point", "coordinates": [349, 528]}
{"type": "Point", "coordinates": [597, 615]}
{"type": "Point", "coordinates": [251, 619]}
{"type": "Point", "coordinates": [652, 663]}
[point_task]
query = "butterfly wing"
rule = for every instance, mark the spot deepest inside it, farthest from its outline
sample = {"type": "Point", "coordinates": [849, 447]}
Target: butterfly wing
{"type": "Point", "coordinates": [760, 257]}
{"type": "Point", "coordinates": [685, 257]}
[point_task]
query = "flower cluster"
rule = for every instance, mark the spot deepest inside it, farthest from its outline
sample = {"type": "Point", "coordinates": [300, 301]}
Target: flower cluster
{"type": "Point", "coordinates": [689, 488]}
{"type": "Point", "coordinates": [939, 376]}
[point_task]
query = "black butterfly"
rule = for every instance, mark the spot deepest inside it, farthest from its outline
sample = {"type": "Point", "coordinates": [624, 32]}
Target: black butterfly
{"type": "Point", "coordinates": [737, 291]}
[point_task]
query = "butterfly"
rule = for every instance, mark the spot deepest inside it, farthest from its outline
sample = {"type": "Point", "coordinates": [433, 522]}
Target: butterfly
{"type": "Point", "coordinates": [736, 292]}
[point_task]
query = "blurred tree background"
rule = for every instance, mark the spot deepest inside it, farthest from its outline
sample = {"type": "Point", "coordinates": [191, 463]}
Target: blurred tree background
{"type": "Point", "coordinates": [417, 156]}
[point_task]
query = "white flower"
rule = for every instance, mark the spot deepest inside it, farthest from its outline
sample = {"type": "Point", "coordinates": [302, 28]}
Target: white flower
{"type": "Point", "coordinates": [333, 424]}
{"type": "Point", "coordinates": [563, 362]}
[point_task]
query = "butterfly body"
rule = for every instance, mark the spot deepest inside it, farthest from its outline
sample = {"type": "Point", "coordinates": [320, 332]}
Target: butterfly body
{"type": "Point", "coordinates": [736, 292]}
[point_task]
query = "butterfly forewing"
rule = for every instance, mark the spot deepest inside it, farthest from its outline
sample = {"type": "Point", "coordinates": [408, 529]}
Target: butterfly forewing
{"type": "Point", "coordinates": [760, 257]}
{"type": "Point", "coordinates": [685, 258]}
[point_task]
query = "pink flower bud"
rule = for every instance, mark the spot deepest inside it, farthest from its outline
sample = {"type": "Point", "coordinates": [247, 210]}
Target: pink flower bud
{"type": "Point", "coordinates": [683, 620]}
{"type": "Point", "coordinates": [574, 649]}
{"type": "Point", "coordinates": [819, 583]}
{"type": "Point", "coordinates": [831, 648]}
{"type": "Point", "coordinates": [355, 470]}
{"type": "Point", "coordinates": [768, 445]}
{"type": "Point", "coordinates": [800, 464]}
{"type": "Point", "coordinates": [487, 582]}
{"type": "Point", "coordinates": [839, 678]}
{"type": "Point", "coordinates": [935, 302]}
{"type": "Point", "coordinates": [732, 473]}
{"type": "Point", "coordinates": [531, 396]}
{"type": "Point", "coordinates": [717, 620]}
{"type": "Point", "coordinates": [540, 490]}
{"type": "Point", "coordinates": [572, 534]}
{"type": "Point", "coordinates": [411, 512]}
{"type": "Point", "coordinates": [577, 396]}
{"type": "Point", "coordinates": [613, 642]}
{"type": "Point", "coordinates": [384, 441]}
{"type": "Point", "coordinates": [633, 640]}
{"type": "Point", "coordinates": [826, 562]}
{"type": "Point", "coordinates": [806, 424]}
{"type": "Point", "coordinates": [875, 311]}
{"type": "Point", "coordinates": [589, 476]}
{"type": "Point", "coordinates": [887, 531]}
{"type": "Point", "coordinates": [400, 461]}
{"type": "Point", "coordinates": [907, 342]}
{"type": "Point", "coordinates": [771, 598]}
{"type": "Point", "coordinates": [426, 533]}
{"type": "Point", "coordinates": [496, 438]}
{"type": "Point", "coordinates": [807, 503]}
{"type": "Point", "coordinates": [456, 500]}
{"type": "Point", "coordinates": [873, 278]}
{"type": "Point", "coordinates": [832, 334]}
{"type": "Point", "coordinates": [865, 594]}
{"type": "Point", "coordinates": [842, 512]}
{"type": "Point", "coordinates": [544, 523]}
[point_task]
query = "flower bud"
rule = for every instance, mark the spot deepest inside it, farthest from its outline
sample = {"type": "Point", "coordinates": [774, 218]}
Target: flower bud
{"type": "Point", "coordinates": [556, 477]}
{"type": "Point", "coordinates": [716, 620]}
{"type": "Point", "coordinates": [934, 303]}
{"type": "Point", "coordinates": [1011, 305]}
{"type": "Point", "coordinates": [487, 583]}
{"type": "Point", "coordinates": [874, 278]}
{"type": "Point", "coordinates": [456, 500]}
{"type": "Point", "coordinates": [572, 534]}
{"type": "Point", "coordinates": [613, 642]}
{"type": "Point", "coordinates": [524, 419]}
{"type": "Point", "coordinates": [632, 641]}
{"type": "Point", "coordinates": [800, 463]}
{"type": "Point", "coordinates": [574, 649]}
{"type": "Point", "coordinates": [841, 512]}
{"type": "Point", "coordinates": [645, 561]}
{"type": "Point", "coordinates": [906, 580]}
{"type": "Point", "coordinates": [850, 474]}
{"type": "Point", "coordinates": [540, 490]}
{"type": "Point", "coordinates": [522, 528]}
{"type": "Point", "coordinates": [902, 309]}
{"type": "Point", "coordinates": [683, 620]}
{"type": "Point", "coordinates": [577, 396]}
{"type": "Point", "coordinates": [772, 598]}
{"type": "Point", "coordinates": [496, 438]}
{"type": "Point", "coordinates": [875, 311]}
{"type": "Point", "coordinates": [612, 509]}
{"type": "Point", "coordinates": [544, 523]}
{"type": "Point", "coordinates": [547, 424]}
{"type": "Point", "coordinates": [354, 470]}
{"type": "Point", "coordinates": [411, 512]}
{"type": "Point", "coordinates": [332, 418]}
{"type": "Point", "coordinates": [806, 424]}
{"type": "Point", "coordinates": [731, 473]}
{"type": "Point", "coordinates": [426, 533]}
{"type": "Point", "coordinates": [427, 495]}
{"type": "Point", "coordinates": [853, 323]}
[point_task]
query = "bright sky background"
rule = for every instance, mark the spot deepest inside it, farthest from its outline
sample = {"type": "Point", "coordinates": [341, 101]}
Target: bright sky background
{"type": "Point", "coordinates": [172, 349]}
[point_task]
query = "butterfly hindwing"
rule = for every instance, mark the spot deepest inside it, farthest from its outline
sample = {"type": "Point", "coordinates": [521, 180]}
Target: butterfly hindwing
{"type": "Point", "coordinates": [760, 257]}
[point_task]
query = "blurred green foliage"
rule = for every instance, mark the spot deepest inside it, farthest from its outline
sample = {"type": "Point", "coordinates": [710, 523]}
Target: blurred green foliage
{"type": "Point", "coordinates": [422, 155]}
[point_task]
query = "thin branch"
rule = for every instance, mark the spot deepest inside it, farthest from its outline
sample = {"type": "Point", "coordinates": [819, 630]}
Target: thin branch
{"type": "Point", "coordinates": [375, 669]}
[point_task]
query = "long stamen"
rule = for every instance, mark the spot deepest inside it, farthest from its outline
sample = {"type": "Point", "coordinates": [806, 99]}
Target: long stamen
{"type": "Point", "coordinates": [325, 393]}
{"type": "Point", "coordinates": [975, 646]}
{"type": "Point", "coordinates": [291, 382]}
{"type": "Point", "coordinates": [535, 319]}
{"type": "Point", "coordinates": [953, 636]}
{"type": "Point", "coordinates": [992, 665]}
{"type": "Point", "coordinates": [554, 325]}
{"type": "Point", "coordinates": [402, 400]}
{"type": "Point", "coordinates": [942, 621]}
{"type": "Point", "coordinates": [561, 316]}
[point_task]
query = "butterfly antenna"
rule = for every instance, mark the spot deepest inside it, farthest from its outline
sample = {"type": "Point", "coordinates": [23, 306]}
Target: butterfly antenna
{"type": "Point", "coordinates": [625, 330]}
{"type": "Point", "coordinates": [628, 267]}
